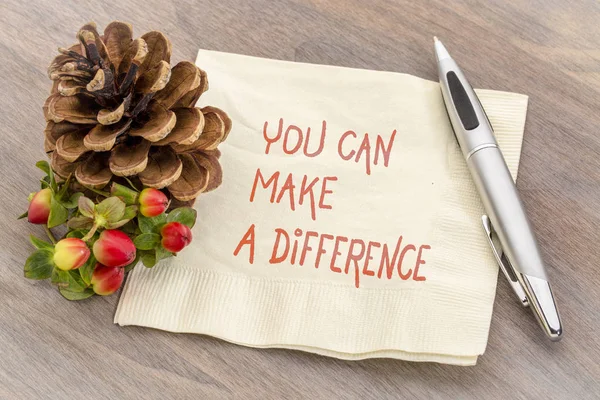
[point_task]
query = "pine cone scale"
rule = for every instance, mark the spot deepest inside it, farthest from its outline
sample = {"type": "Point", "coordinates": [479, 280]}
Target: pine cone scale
{"type": "Point", "coordinates": [210, 162]}
{"type": "Point", "coordinates": [78, 109]}
{"type": "Point", "coordinates": [129, 158]}
{"type": "Point", "coordinates": [164, 167]}
{"type": "Point", "coordinates": [192, 182]}
{"type": "Point", "coordinates": [54, 130]}
{"type": "Point", "coordinates": [130, 63]}
{"type": "Point", "coordinates": [191, 98]}
{"type": "Point", "coordinates": [224, 118]}
{"type": "Point", "coordinates": [161, 123]}
{"type": "Point", "coordinates": [117, 38]}
{"type": "Point", "coordinates": [103, 137]}
{"type": "Point", "coordinates": [159, 49]}
{"type": "Point", "coordinates": [185, 77]}
{"type": "Point", "coordinates": [212, 134]}
{"type": "Point", "coordinates": [70, 146]}
{"type": "Point", "coordinates": [95, 50]}
{"type": "Point", "coordinates": [189, 126]}
{"type": "Point", "coordinates": [94, 171]}
{"type": "Point", "coordinates": [110, 117]}
{"type": "Point", "coordinates": [61, 167]}
{"type": "Point", "coordinates": [154, 79]}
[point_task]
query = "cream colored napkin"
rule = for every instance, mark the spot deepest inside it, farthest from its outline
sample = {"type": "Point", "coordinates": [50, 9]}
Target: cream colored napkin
{"type": "Point", "coordinates": [386, 195]}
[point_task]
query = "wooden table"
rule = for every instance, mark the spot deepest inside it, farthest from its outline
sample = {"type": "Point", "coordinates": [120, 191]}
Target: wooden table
{"type": "Point", "coordinates": [550, 50]}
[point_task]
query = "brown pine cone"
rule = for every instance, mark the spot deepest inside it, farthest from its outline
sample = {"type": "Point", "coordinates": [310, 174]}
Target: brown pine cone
{"type": "Point", "coordinates": [117, 109]}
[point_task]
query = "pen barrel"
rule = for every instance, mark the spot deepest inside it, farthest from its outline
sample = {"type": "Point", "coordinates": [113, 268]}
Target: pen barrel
{"type": "Point", "coordinates": [505, 210]}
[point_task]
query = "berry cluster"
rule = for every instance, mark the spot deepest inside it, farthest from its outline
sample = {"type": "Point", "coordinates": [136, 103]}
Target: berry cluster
{"type": "Point", "coordinates": [107, 234]}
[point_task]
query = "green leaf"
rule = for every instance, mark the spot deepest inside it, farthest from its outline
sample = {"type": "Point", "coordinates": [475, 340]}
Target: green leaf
{"type": "Point", "coordinates": [39, 265]}
{"type": "Point", "coordinates": [77, 233]}
{"type": "Point", "coordinates": [39, 243]}
{"type": "Point", "coordinates": [73, 296]}
{"type": "Point", "coordinates": [130, 212]}
{"type": "Point", "coordinates": [64, 188]}
{"type": "Point", "coordinates": [129, 196]}
{"type": "Point", "coordinates": [131, 228]}
{"type": "Point", "coordinates": [80, 223]}
{"type": "Point", "coordinates": [73, 200]}
{"type": "Point", "coordinates": [151, 225]}
{"type": "Point", "coordinates": [86, 206]}
{"type": "Point", "coordinates": [69, 280]}
{"type": "Point", "coordinates": [24, 215]}
{"type": "Point", "coordinates": [146, 241]}
{"type": "Point", "coordinates": [130, 266]}
{"type": "Point", "coordinates": [45, 182]}
{"type": "Point", "coordinates": [110, 210]}
{"type": "Point", "coordinates": [44, 166]}
{"type": "Point", "coordinates": [58, 213]}
{"type": "Point", "coordinates": [87, 269]}
{"type": "Point", "coordinates": [159, 220]}
{"type": "Point", "coordinates": [58, 276]}
{"type": "Point", "coordinates": [161, 253]}
{"type": "Point", "coordinates": [115, 225]}
{"type": "Point", "coordinates": [145, 224]}
{"type": "Point", "coordinates": [128, 215]}
{"type": "Point", "coordinates": [184, 215]}
{"type": "Point", "coordinates": [76, 282]}
{"type": "Point", "coordinates": [148, 259]}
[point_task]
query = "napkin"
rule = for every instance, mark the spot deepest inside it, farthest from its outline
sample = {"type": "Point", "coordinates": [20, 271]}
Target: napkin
{"type": "Point", "coordinates": [347, 223]}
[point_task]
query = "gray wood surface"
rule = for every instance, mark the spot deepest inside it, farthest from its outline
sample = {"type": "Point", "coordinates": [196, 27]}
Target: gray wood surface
{"type": "Point", "coordinates": [548, 49]}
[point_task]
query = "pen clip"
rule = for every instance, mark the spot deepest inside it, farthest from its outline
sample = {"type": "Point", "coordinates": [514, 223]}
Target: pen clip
{"type": "Point", "coordinates": [503, 262]}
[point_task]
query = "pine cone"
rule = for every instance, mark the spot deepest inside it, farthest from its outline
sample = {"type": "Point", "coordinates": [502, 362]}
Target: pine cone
{"type": "Point", "coordinates": [117, 109]}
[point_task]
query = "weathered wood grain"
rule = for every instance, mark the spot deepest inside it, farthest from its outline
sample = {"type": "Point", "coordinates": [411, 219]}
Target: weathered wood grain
{"type": "Point", "coordinates": [549, 49]}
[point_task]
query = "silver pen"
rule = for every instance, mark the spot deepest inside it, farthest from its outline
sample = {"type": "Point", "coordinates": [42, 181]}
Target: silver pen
{"type": "Point", "coordinates": [506, 226]}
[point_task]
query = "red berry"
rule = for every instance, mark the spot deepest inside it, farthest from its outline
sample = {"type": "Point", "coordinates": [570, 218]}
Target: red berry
{"type": "Point", "coordinates": [175, 236]}
{"type": "Point", "coordinates": [107, 280]}
{"type": "Point", "coordinates": [39, 208]}
{"type": "Point", "coordinates": [153, 202]}
{"type": "Point", "coordinates": [70, 253]}
{"type": "Point", "coordinates": [114, 249]}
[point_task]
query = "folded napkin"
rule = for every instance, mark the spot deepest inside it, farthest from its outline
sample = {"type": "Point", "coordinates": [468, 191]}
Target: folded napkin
{"type": "Point", "coordinates": [346, 225]}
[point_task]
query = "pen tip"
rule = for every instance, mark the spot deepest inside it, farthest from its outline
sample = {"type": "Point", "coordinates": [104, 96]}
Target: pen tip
{"type": "Point", "coordinates": [440, 51]}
